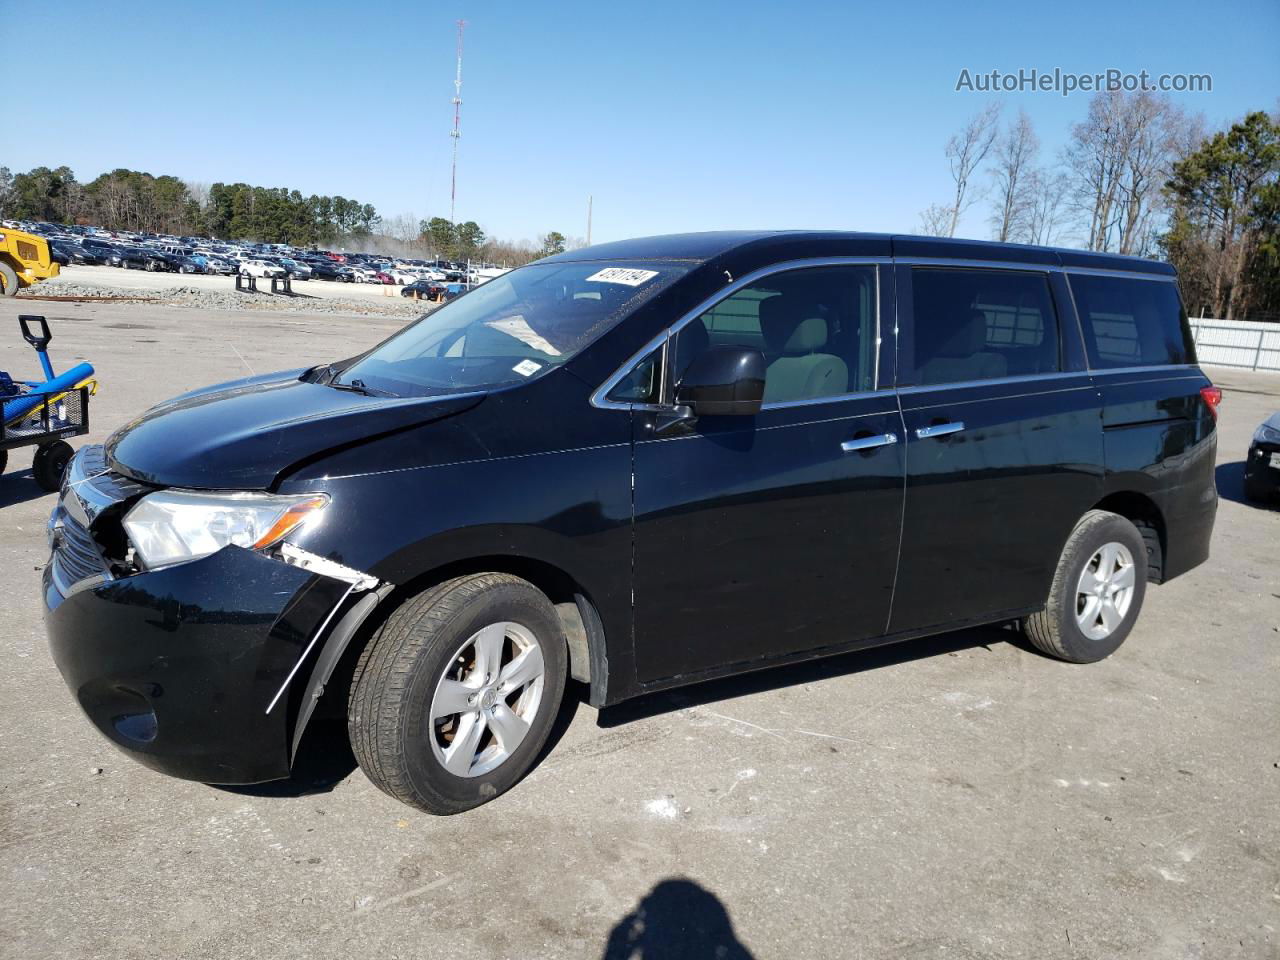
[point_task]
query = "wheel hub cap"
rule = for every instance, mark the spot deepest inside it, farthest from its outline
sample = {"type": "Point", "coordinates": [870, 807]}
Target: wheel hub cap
{"type": "Point", "coordinates": [1105, 591]}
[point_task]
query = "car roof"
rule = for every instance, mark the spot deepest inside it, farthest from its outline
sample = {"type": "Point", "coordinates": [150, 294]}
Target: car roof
{"type": "Point", "coordinates": [780, 245]}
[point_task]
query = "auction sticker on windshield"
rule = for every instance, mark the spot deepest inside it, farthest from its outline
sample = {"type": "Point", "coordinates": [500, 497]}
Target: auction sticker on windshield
{"type": "Point", "coordinates": [527, 368]}
{"type": "Point", "coordinates": [623, 275]}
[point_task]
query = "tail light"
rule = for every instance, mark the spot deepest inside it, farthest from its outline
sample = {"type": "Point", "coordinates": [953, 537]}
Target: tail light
{"type": "Point", "coordinates": [1212, 397]}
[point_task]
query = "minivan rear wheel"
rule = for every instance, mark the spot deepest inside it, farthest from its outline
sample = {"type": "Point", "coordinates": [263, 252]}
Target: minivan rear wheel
{"type": "Point", "coordinates": [454, 696]}
{"type": "Point", "coordinates": [1097, 591]}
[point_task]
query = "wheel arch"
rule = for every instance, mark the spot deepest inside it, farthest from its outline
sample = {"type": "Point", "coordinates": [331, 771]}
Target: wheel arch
{"type": "Point", "coordinates": [332, 668]}
{"type": "Point", "coordinates": [1145, 514]}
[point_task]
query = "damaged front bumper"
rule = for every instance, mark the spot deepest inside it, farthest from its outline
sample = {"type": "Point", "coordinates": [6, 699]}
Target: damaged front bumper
{"type": "Point", "coordinates": [204, 670]}
{"type": "Point", "coordinates": [178, 667]}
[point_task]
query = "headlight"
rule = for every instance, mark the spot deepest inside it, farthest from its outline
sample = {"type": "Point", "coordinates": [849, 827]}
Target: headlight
{"type": "Point", "coordinates": [1266, 434]}
{"type": "Point", "coordinates": [174, 526]}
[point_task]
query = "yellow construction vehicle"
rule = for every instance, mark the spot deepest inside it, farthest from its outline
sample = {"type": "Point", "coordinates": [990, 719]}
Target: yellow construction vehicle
{"type": "Point", "coordinates": [24, 260]}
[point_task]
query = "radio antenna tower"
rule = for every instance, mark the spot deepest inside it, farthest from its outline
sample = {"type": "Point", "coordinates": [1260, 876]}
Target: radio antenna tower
{"type": "Point", "coordinates": [456, 132]}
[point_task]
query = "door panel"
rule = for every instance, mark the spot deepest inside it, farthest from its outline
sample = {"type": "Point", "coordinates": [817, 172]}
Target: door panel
{"type": "Point", "coordinates": [1004, 448]}
{"type": "Point", "coordinates": [761, 536]}
{"type": "Point", "coordinates": [989, 506]}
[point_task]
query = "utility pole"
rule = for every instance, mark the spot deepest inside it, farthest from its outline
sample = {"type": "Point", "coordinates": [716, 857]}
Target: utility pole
{"type": "Point", "coordinates": [456, 132]}
{"type": "Point", "coordinates": [589, 199]}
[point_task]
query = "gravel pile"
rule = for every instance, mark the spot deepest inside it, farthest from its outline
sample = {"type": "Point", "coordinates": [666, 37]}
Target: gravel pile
{"type": "Point", "coordinates": [232, 299]}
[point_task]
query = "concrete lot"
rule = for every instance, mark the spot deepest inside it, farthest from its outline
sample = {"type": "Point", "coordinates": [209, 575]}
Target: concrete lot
{"type": "Point", "coordinates": [958, 797]}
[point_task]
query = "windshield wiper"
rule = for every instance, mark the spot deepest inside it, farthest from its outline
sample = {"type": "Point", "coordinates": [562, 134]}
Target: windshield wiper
{"type": "Point", "coordinates": [359, 386]}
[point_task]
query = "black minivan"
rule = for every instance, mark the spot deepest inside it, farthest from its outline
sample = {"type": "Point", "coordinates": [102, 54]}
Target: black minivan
{"type": "Point", "coordinates": [639, 465]}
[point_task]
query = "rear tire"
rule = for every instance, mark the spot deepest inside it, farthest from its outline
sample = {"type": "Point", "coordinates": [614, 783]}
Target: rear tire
{"type": "Point", "coordinates": [435, 652]}
{"type": "Point", "coordinates": [1097, 591]}
{"type": "Point", "coordinates": [8, 280]}
{"type": "Point", "coordinates": [49, 463]}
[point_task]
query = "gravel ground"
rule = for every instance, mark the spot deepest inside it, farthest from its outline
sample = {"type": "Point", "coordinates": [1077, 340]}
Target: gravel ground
{"type": "Point", "coordinates": [959, 797]}
{"type": "Point", "coordinates": [219, 293]}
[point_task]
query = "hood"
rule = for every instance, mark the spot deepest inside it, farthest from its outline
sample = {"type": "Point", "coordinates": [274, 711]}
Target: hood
{"type": "Point", "coordinates": [245, 434]}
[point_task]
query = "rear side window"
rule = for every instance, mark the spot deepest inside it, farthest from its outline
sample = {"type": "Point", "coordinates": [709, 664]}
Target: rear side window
{"type": "Point", "coordinates": [979, 325]}
{"type": "Point", "coordinates": [1131, 323]}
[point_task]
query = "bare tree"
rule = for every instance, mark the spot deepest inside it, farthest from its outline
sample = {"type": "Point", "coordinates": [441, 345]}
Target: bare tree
{"type": "Point", "coordinates": [1014, 155]}
{"type": "Point", "coordinates": [1043, 215]}
{"type": "Point", "coordinates": [1117, 160]}
{"type": "Point", "coordinates": [936, 220]}
{"type": "Point", "coordinates": [966, 151]}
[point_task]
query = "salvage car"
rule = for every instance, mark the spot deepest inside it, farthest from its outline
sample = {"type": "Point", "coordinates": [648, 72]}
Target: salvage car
{"type": "Point", "coordinates": [261, 268]}
{"type": "Point", "coordinates": [1262, 465]}
{"type": "Point", "coordinates": [638, 465]}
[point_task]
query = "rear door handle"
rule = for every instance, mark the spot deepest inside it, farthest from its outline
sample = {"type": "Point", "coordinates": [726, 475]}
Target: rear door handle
{"type": "Point", "coordinates": [939, 430]}
{"type": "Point", "coordinates": [869, 443]}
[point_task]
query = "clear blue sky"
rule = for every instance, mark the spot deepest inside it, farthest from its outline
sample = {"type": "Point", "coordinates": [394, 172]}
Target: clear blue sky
{"type": "Point", "coordinates": [676, 116]}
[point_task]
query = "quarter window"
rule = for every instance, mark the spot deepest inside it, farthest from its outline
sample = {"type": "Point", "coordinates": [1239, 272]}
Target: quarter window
{"type": "Point", "coordinates": [979, 325]}
{"type": "Point", "coordinates": [1132, 323]}
{"type": "Point", "coordinates": [816, 328]}
{"type": "Point", "coordinates": [641, 383]}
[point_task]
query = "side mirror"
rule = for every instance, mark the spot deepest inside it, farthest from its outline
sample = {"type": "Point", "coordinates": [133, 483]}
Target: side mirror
{"type": "Point", "coordinates": [723, 381]}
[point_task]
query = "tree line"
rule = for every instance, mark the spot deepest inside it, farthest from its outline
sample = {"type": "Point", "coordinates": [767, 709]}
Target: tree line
{"type": "Point", "coordinates": [136, 201]}
{"type": "Point", "coordinates": [1137, 176]}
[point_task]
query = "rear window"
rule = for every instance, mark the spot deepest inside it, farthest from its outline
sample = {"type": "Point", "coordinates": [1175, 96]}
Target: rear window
{"type": "Point", "coordinates": [1129, 322]}
{"type": "Point", "coordinates": [979, 325]}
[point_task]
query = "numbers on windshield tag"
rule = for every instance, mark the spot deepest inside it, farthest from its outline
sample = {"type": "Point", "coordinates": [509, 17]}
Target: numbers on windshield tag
{"type": "Point", "coordinates": [624, 275]}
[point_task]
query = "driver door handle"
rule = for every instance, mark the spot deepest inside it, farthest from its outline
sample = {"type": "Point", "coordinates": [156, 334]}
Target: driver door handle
{"type": "Point", "coordinates": [939, 430]}
{"type": "Point", "coordinates": [869, 443]}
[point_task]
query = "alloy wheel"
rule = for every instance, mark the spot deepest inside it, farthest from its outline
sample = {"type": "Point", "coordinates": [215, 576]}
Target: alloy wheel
{"type": "Point", "coordinates": [1105, 591]}
{"type": "Point", "coordinates": [487, 699]}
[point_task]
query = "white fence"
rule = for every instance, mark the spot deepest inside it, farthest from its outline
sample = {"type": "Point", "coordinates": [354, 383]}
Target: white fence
{"type": "Point", "coordinates": [1237, 343]}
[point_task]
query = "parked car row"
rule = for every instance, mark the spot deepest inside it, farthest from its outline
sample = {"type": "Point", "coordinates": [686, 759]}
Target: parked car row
{"type": "Point", "coordinates": [94, 246]}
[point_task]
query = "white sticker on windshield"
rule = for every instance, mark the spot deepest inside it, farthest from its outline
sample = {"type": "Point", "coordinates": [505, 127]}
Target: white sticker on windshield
{"type": "Point", "coordinates": [623, 275]}
{"type": "Point", "coordinates": [527, 368]}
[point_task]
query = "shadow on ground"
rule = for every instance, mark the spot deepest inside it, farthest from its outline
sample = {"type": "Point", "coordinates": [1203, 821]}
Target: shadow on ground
{"type": "Point", "coordinates": [18, 486]}
{"type": "Point", "coordinates": [676, 920]}
{"type": "Point", "coordinates": [810, 671]}
{"type": "Point", "coordinates": [1230, 480]}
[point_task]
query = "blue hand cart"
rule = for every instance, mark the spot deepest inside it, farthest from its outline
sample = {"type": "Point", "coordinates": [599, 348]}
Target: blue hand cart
{"type": "Point", "coordinates": [44, 414]}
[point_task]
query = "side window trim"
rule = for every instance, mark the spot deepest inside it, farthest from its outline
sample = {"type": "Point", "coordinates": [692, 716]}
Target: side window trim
{"type": "Point", "coordinates": [601, 396]}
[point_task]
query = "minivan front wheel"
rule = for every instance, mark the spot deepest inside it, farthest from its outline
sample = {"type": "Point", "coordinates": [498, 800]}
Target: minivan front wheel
{"type": "Point", "coordinates": [455, 694]}
{"type": "Point", "coordinates": [1097, 591]}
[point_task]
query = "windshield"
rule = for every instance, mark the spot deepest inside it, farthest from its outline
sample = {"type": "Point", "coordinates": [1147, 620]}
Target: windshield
{"type": "Point", "coordinates": [511, 328]}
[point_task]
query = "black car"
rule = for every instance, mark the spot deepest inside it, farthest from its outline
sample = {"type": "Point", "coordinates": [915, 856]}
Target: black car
{"type": "Point", "coordinates": [640, 465]}
{"type": "Point", "coordinates": [66, 252]}
{"type": "Point", "coordinates": [60, 255]}
{"type": "Point", "coordinates": [143, 258]}
{"type": "Point", "coordinates": [1262, 466]}
{"type": "Point", "coordinates": [326, 269]}
{"type": "Point", "coordinates": [105, 253]}
{"type": "Point", "coordinates": [423, 290]}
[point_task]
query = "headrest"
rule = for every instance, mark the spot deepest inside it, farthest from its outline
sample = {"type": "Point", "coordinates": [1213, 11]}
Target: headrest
{"type": "Point", "coordinates": [809, 337]}
{"type": "Point", "coordinates": [966, 338]}
{"type": "Point", "coordinates": [791, 326]}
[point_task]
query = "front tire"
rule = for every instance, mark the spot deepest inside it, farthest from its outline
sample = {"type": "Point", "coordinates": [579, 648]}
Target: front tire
{"type": "Point", "coordinates": [454, 697]}
{"type": "Point", "coordinates": [1097, 591]}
